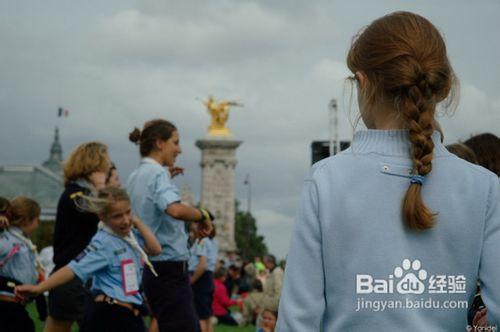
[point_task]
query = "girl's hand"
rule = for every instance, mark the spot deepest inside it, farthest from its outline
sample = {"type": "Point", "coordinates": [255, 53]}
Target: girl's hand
{"type": "Point", "coordinates": [4, 222]}
{"type": "Point", "coordinates": [174, 171]}
{"type": "Point", "coordinates": [136, 221]}
{"type": "Point", "coordinates": [205, 228]}
{"type": "Point", "coordinates": [23, 292]}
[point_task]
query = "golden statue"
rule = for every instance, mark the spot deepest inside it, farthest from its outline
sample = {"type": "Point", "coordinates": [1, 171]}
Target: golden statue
{"type": "Point", "coordinates": [220, 113]}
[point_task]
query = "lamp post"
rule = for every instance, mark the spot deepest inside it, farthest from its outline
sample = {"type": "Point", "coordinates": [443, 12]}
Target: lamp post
{"type": "Point", "coordinates": [249, 192]}
{"type": "Point", "coordinates": [334, 127]}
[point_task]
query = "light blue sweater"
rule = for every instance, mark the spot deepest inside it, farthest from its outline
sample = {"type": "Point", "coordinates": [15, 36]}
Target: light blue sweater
{"type": "Point", "coordinates": [354, 266]}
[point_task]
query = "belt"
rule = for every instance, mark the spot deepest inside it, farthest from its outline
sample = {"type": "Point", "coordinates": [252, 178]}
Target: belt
{"type": "Point", "coordinates": [181, 266]}
{"type": "Point", "coordinates": [110, 300]}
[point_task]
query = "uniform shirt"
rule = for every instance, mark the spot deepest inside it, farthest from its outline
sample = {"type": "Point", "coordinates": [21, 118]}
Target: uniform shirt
{"type": "Point", "coordinates": [17, 260]}
{"type": "Point", "coordinates": [151, 191]}
{"type": "Point", "coordinates": [73, 228]}
{"type": "Point", "coordinates": [106, 259]}
{"type": "Point", "coordinates": [350, 229]}
{"type": "Point", "coordinates": [197, 250]}
{"type": "Point", "coordinates": [212, 253]}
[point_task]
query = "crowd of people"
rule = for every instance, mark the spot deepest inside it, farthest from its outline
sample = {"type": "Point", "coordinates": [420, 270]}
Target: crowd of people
{"type": "Point", "coordinates": [121, 254]}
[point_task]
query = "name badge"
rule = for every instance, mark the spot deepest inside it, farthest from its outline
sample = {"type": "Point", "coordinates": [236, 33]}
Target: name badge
{"type": "Point", "coordinates": [129, 276]}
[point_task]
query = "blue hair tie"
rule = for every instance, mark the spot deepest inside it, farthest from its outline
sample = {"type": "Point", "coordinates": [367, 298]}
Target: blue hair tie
{"type": "Point", "coordinates": [419, 179]}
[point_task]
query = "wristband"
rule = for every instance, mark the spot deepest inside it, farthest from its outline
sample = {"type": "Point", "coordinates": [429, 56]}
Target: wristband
{"type": "Point", "coordinates": [204, 215]}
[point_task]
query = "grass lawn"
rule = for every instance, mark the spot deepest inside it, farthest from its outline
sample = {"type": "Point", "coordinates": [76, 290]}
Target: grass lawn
{"type": "Point", "coordinates": [218, 328]}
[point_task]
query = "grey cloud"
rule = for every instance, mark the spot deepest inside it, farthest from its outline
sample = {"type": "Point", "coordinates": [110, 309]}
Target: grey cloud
{"type": "Point", "coordinates": [203, 37]}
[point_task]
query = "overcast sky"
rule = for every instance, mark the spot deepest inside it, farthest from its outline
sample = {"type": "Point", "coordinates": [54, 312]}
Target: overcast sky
{"type": "Point", "coordinates": [116, 64]}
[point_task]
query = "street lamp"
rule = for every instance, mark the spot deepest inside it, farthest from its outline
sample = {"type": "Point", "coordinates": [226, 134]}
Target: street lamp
{"type": "Point", "coordinates": [249, 192]}
{"type": "Point", "coordinates": [334, 127]}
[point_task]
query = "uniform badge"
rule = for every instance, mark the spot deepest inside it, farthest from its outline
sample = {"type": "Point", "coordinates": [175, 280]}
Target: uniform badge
{"type": "Point", "coordinates": [119, 251]}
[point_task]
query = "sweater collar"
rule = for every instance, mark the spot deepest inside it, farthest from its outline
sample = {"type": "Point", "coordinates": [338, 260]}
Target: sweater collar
{"type": "Point", "coordinates": [393, 142]}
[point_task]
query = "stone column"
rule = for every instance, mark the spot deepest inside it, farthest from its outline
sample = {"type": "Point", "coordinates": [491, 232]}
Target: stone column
{"type": "Point", "coordinates": [218, 160]}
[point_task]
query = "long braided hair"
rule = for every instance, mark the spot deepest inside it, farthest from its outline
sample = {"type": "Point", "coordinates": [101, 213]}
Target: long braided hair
{"type": "Point", "coordinates": [404, 59]}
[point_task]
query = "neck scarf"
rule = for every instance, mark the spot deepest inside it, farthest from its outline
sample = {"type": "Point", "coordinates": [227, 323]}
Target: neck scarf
{"type": "Point", "coordinates": [132, 241]}
{"type": "Point", "coordinates": [17, 233]}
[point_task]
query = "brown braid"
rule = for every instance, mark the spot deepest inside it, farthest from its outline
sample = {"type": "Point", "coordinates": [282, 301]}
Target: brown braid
{"type": "Point", "coordinates": [403, 57]}
{"type": "Point", "coordinates": [419, 114]}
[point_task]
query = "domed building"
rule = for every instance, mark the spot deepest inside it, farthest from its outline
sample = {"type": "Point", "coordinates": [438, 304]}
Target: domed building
{"type": "Point", "coordinates": [43, 183]}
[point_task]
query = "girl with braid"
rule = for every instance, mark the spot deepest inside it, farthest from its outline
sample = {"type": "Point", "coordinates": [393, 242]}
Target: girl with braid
{"type": "Point", "coordinates": [393, 233]}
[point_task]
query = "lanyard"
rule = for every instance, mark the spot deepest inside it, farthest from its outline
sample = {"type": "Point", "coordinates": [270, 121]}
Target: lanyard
{"type": "Point", "coordinates": [132, 241]}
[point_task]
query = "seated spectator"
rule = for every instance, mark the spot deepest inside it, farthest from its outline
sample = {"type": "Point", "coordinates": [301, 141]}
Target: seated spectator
{"type": "Point", "coordinates": [220, 263]}
{"type": "Point", "coordinates": [259, 266]}
{"type": "Point", "coordinates": [253, 303]}
{"type": "Point", "coordinates": [247, 275]}
{"type": "Point", "coordinates": [221, 301]}
{"type": "Point", "coordinates": [250, 275]}
{"type": "Point", "coordinates": [273, 284]}
{"type": "Point", "coordinates": [232, 281]}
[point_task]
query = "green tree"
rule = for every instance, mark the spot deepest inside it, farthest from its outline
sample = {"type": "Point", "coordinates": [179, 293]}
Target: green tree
{"type": "Point", "coordinates": [248, 241]}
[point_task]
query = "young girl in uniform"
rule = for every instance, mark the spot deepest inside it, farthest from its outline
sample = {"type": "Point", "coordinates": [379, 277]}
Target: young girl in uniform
{"type": "Point", "coordinates": [156, 200]}
{"type": "Point", "coordinates": [201, 265]}
{"type": "Point", "coordinates": [396, 208]}
{"type": "Point", "coordinates": [19, 263]}
{"type": "Point", "coordinates": [114, 260]}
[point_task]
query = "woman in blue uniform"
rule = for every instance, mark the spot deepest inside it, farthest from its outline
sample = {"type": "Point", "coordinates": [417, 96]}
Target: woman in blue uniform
{"type": "Point", "coordinates": [19, 263]}
{"type": "Point", "coordinates": [114, 260]}
{"type": "Point", "coordinates": [156, 200]}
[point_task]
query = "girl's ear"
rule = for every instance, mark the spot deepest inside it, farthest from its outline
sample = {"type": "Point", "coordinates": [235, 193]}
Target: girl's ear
{"type": "Point", "coordinates": [101, 216]}
{"type": "Point", "coordinates": [361, 78]}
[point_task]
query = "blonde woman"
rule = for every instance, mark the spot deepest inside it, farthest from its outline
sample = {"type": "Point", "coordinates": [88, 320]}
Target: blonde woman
{"type": "Point", "coordinates": [84, 172]}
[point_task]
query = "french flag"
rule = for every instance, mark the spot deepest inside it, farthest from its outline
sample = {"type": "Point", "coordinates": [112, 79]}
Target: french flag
{"type": "Point", "coordinates": [62, 112]}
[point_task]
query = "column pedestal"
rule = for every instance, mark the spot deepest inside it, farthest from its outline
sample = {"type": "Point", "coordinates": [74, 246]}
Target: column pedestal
{"type": "Point", "coordinates": [218, 160]}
